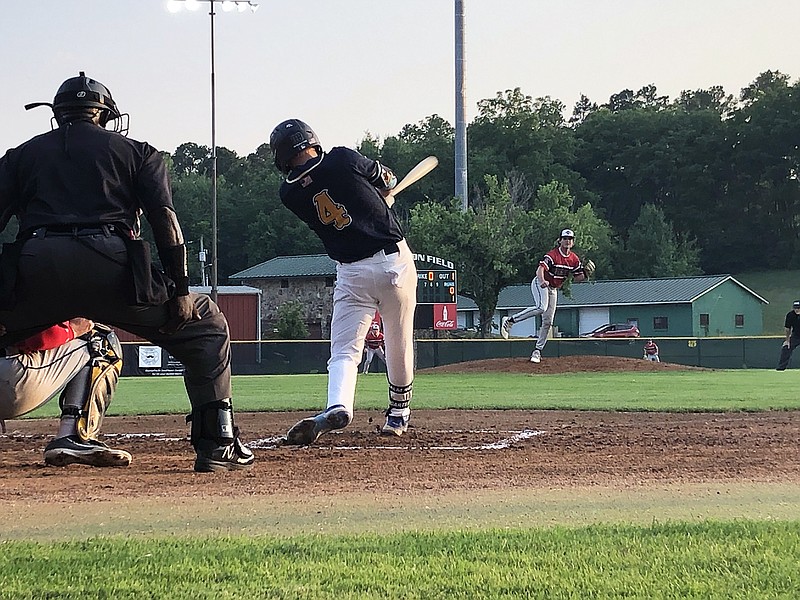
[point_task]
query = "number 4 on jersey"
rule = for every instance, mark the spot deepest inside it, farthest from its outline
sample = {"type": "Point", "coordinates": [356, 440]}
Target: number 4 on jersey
{"type": "Point", "coordinates": [330, 212]}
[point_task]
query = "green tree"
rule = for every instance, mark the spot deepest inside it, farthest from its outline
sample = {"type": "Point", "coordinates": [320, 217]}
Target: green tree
{"type": "Point", "coordinates": [290, 323]}
{"type": "Point", "coordinates": [653, 248]}
{"type": "Point", "coordinates": [498, 242]}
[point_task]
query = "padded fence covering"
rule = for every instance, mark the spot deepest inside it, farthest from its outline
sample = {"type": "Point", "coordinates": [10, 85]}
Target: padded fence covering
{"type": "Point", "coordinates": [293, 357]}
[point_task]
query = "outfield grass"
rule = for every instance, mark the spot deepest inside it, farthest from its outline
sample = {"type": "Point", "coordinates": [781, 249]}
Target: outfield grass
{"type": "Point", "coordinates": [731, 390]}
{"type": "Point", "coordinates": [707, 560]}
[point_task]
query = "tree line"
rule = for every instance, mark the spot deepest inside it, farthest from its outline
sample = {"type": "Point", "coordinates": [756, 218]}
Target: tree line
{"type": "Point", "coordinates": [703, 183]}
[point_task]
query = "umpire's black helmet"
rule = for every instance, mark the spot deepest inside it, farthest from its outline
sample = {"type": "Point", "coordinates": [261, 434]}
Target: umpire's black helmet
{"type": "Point", "coordinates": [288, 140]}
{"type": "Point", "coordinates": [77, 94]}
{"type": "Point", "coordinates": [82, 97]}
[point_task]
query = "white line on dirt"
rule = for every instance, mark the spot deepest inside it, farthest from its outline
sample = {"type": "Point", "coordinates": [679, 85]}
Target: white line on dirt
{"type": "Point", "coordinates": [272, 443]}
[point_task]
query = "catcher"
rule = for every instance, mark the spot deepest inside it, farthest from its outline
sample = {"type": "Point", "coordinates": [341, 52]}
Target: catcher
{"type": "Point", "coordinates": [83, 360]}
{"type": "Point", "coordinates": [553, 270]}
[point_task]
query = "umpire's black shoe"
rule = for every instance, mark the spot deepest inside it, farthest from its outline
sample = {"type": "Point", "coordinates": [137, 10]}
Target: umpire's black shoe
{"type": "Point", "coordinates": [308, 430]}
{"type": "Point", "coordinates": [212, 457]}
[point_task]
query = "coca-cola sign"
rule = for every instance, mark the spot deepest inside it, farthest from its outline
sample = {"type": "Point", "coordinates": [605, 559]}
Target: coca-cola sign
{"type": "Point", "coordinates": [445, 316]}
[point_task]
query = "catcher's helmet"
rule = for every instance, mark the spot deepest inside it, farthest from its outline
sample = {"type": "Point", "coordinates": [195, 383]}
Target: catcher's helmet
{"type": "Point", "coordinates": [82, 97]}
{"type": "Point", "coordinates": [288, 140]}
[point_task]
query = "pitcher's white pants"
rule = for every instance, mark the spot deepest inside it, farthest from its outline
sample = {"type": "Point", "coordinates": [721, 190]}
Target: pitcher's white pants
{"type": "Point", "coordinates": [544, 303]}
{"type": "Point", "coordinates": [384, 282]}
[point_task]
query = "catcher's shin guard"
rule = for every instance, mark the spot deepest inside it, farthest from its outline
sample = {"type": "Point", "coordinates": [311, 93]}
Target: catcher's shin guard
{"type": "Point", "coordinates": [104, 369]}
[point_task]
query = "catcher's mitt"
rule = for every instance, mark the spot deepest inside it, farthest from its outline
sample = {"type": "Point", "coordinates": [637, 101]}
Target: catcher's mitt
{"type": "Point", "coordinates": [589, 268]}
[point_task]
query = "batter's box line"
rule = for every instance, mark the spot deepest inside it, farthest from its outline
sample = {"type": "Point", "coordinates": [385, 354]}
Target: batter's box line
{"type": "Point", "coordinates": [273, 443]}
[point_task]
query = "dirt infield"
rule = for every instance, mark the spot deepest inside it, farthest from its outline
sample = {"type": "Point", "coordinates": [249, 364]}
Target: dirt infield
{"type": "Point", "coordinates": [444, 452]}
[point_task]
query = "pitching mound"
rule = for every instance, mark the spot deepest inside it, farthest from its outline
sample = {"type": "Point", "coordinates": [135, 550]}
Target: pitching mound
{"type": "Point", "coordinates": [564, 364]}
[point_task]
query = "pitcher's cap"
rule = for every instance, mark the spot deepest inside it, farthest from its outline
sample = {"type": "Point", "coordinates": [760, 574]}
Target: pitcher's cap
{"type": "Point", "coordinates": [567, 233]}
{"type": "Point", "coordinates": [796, 304]}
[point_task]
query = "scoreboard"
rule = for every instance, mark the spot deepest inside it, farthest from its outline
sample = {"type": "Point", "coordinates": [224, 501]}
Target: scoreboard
{"type": "Point", "coordinates": [436, 286]}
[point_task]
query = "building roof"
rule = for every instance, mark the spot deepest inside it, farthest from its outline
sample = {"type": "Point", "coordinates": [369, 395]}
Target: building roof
{"type": "Point", "coordinates": [307, 265]}
{"type": "Point", "coordinates": [625, 292]}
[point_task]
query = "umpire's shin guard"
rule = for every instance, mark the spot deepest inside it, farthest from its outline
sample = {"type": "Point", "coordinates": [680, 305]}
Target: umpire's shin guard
{"type": "Point", "coordinates": [215, 438]}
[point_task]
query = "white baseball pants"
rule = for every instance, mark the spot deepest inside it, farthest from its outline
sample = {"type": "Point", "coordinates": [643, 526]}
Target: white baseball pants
{"type": "Point", "coordinates": [384, 282]}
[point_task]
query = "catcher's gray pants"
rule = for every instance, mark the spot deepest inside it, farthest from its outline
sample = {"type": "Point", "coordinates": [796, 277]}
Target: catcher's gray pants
{"type": "Point", "coordinates": [545, 301]}
{"type": "Point", "coordinates": [29, 380]}
{"type": "Point", "coordinates": [61, 277]}
{"type": "Point", "coordinates": [384, 282]}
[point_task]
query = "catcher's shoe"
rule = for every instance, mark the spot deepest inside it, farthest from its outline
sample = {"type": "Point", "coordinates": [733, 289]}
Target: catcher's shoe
{"type": "Point", "coordinates": [505, 327]}
{"type": "Point", "coordinates": [73, 450]}
{"type": "Point", "coordinates": [212, 457]}
{"type": "Point", "coordinates": [308, 430]}
{"type": "Point", "coordinates": [395, 425]}
{"type": "Point", "coordinates": [536, 356]}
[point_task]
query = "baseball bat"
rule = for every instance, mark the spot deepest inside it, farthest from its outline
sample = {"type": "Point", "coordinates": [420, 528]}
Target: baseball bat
{"type": "Point", "coordinates": [422, 168]}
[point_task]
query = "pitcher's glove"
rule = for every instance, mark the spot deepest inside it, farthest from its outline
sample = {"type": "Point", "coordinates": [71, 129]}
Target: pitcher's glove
{"type": "Point", "coordinates": [589, 268]}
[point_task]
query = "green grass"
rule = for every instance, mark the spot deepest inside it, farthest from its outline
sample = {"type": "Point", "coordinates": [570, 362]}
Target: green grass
{"type": "Point", "coordinates": [729, 390]}
{"type": "Point", "coordinates": [689, 558]}
{"type": "Point", "coordinates": [674, 560]}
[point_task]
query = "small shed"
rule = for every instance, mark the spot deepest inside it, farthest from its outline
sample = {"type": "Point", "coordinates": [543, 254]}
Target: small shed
{"type": "Point", "coordinates": [241, 306]}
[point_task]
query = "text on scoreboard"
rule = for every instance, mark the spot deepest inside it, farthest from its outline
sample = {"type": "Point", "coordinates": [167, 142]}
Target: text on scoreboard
{"type": "Point", "coordinates": [436, 286]}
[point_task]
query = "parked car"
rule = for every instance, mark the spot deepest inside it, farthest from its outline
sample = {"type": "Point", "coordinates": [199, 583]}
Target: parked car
{"type": "Point", "coordinates": [614, 330]}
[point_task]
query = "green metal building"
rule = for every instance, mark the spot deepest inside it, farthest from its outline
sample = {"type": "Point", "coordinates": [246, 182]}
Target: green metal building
{"type": "Point", "coordinates": [703, 306]}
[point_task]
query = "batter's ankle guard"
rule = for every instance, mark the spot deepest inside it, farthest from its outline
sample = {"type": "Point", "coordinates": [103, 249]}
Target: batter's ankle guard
{"type": "Point", "coordinates": [213, 421]}
{"type": "Point", "coordinates": [399, 398]}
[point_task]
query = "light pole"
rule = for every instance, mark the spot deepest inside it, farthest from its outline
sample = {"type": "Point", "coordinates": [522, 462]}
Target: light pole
{"type": "Point", "coordinates": [227, 6]}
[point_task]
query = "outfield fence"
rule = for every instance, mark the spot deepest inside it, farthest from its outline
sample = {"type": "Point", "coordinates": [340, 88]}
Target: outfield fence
{"type": "Point", "coordinates": [293, 357]}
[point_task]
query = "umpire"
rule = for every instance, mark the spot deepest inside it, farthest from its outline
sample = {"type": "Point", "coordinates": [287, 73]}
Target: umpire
{"type": "Point", "coordinates": [77, 193]}
{"type": "Point", "coordinates": [792, 325]}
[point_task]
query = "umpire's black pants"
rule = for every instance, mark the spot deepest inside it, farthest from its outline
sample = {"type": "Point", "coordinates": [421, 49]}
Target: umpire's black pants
{"type": "Point", "coordinates": [786, 352]}
{"type": "Point", "coordinates": [61, 277]}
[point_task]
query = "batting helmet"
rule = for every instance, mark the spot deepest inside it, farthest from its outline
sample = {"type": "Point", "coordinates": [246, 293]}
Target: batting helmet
{"type": "Point", "coordinates": [288, 140]}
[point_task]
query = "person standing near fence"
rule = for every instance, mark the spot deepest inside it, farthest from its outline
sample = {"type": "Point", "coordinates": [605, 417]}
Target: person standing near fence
{"type": "Point", "coordinates": [374, 343]}
{"type": "Point", "coordinates": [651, 351]}
{"type": "Point", "coordinates": [792, 327]}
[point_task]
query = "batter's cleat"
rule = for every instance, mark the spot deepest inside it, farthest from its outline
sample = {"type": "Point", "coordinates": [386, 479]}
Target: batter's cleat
{"type": "Point", "coordinates": [212, 457]}
{"type": "Point", "coordinates": [536, 356]}
{"type": "Point", "coordinates": [308, 430]}
{"type": "Point", "coordinates": [73, 450]}
{"type": "Point", "coordinates": [505, 327]}
{"type": "Point", "coordinates": [395, 425]}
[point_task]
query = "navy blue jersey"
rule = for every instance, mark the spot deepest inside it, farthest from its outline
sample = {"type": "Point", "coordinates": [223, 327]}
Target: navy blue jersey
{"type": "Point", "coordinates": [81, 174]}
{"type": "Point", "coordinates": [336, 195]}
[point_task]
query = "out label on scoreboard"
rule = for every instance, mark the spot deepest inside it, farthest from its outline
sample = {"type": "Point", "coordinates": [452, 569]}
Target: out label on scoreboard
{"type": "Point", "coordinates": [436, 286]}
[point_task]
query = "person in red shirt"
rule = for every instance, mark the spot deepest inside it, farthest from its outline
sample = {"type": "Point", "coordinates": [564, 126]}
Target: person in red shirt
{"type": "Point", "coordinates": [651, 351]}
{"type": "Point", "coordinates": [62, 358]}
{"type": "Point", "coordinates": [374, 343]}
{"type": "Point", "coordinates": [553, 270]}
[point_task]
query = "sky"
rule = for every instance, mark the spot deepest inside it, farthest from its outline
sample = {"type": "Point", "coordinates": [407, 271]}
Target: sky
{"type": "Point", "coordinates": [352, 67]}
